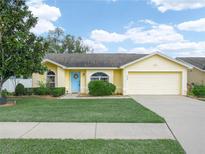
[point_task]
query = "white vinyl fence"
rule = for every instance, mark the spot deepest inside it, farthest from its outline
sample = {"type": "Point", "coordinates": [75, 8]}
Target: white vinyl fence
{"type": "Point", "coordinates": [11, 83]}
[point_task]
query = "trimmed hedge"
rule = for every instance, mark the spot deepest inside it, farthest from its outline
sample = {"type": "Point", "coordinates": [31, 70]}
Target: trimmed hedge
{"type": "Point", "coordinates": [199, 90]}
{"type": "Point", "coordinates": [4, 93]}
{"type": "Point", "coordinates": [19, 90]}
{"type": "Point", "coordinates": [28, 91]}
{"type": "Point", "coordinates": [101, 88]}
{"type": "Point", "coordinates": [56, 92]}
{"type": "Point", "coordinates": [41, 91]}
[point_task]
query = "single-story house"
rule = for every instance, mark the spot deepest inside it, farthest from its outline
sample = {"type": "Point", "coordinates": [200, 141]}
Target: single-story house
{"type": "Point", "coordinates": [197, 74]}
{"type": "Point", "coordinates": [153, 74]}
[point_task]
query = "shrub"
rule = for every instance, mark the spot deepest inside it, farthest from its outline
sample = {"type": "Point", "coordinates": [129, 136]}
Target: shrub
{"type": "Point", "coordinates": [19, 90]}
{"type": "Point", "coordinates": [4, 93]}
{"type": "Point", "coordinates": [101, 88]}
{"type": "Point", "coordinates": [198, 90]}
{"type": "Point", "coordinates": [41, 91]}
{"type": "Point", "coordinates": [56, 92]}
{"type": "Point", "coordinates": [28, 91]}
{"type": "Point", "coordinates": [42, 84]}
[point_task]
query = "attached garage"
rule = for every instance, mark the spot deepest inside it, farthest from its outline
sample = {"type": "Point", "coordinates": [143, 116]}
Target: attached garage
{"type": "Point", "coordinates": [154, 83]}
{"type": "Point", "coordinates": [155, 74]}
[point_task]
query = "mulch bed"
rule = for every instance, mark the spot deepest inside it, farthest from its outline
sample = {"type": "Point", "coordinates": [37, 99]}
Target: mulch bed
{"type": "Point", "coordinates": [34, 96]}
{"type": "Point", "coordinates": [8, 104]}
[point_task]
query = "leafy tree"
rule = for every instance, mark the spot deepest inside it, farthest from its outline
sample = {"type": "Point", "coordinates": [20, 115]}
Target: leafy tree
{"type": "Point", "coordinates": [21, 52]}
{"type": "Point", "coordinates": [61, 43]}
{"type": "Point", "coordinates": [55, 39]}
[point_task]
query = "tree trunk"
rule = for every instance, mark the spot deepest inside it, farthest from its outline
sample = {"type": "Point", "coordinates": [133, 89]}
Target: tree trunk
{"type": "Point", "coordinates": [1, 85]}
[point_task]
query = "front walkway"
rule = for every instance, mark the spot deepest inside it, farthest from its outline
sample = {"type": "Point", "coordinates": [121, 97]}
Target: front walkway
{"type": "Point", "coordinates": [185, 117]}
{"type": "Point", "coordinates": [84, 130]}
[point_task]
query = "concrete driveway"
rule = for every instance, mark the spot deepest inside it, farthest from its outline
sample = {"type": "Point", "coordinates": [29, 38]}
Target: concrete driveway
{"type": "Point", "coordinates": [185, 117]}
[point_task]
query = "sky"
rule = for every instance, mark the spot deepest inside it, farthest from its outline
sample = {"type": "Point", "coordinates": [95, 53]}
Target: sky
{"type": "Point", "coordinates": [173, 27]}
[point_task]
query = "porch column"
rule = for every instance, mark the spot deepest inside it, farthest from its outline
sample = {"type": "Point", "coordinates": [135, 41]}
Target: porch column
{"type": "Point", "coordinates": [125, 77]}
{"type": "Point", "coordinates": [60, 77]}
{"type": "Point", "coordinates": [184, 83]}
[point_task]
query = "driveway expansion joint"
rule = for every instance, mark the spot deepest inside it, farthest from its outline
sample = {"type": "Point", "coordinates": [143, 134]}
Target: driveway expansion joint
{"type": "Point", "coordinates": [29, 130]}
{"type": "Point", "coordinates": [95, 130]}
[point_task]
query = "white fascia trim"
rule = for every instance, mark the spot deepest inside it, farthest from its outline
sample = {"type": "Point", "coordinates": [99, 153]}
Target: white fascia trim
{"type": "Point", "coordinates": [160, 54]}
{"type": "Point", "coordinates": [154, 71]}
{"type": "Point", "coordinates": [51, 61]}
{"type": "Point", "coordinates": [82, 68]}
{"type": "Point", "coordinates": [92, 68]}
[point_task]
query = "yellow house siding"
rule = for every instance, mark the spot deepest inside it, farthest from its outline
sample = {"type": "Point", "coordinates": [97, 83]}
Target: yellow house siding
{"type": "Point", "coordinates": [60, 77]}
{"type": "Point", "coordinates": [117, 80]}
{"type": "Point", "coordinates": [196, 76]}
{"type": "Point", "coordinates": [156, 63]}
{"type": "Point", "coordinates": [67, 80]}
{"type": "Point", "coordinates": [51, 67]}
{"type": "Point", "coordinates": [36, 78]}
{"type": "Point", "coordinates": [83, 81]}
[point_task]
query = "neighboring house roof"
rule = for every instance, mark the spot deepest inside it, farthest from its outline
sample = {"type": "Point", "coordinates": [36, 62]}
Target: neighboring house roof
{"type": "Point", "coordinates": [197, 62]}
{"type": "Point", "coordinates": [93, 60]}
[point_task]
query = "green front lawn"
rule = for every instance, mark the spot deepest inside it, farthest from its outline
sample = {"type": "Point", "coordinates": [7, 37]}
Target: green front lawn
{"type": "Point", "coordinates": [11, 146]}
{"type": "Point", "coordinates": [98, 110]}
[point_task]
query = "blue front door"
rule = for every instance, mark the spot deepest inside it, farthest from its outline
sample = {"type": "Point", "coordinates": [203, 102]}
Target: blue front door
{"type": "Point", "coordinates": [75, 82]}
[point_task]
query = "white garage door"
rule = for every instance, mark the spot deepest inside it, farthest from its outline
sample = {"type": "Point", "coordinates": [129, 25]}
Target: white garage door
{"type": "Point", "coordinates": [154, 83]}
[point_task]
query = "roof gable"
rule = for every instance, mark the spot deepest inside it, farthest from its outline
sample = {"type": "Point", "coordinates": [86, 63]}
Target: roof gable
{"type": "Point", "coordinates": [159, 54]}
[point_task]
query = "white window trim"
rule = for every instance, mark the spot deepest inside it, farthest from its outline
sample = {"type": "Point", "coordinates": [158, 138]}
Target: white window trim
{"type": "Point", "coordinates": [51, 75]}
{"type": "Point", "coordinates": [99, 77]}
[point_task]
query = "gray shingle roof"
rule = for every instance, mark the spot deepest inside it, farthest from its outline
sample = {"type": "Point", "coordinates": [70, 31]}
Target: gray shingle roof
{"type": "Point", "coordinates": [198, 62]}
{"type": "Point", "coordinates": [93, 60]}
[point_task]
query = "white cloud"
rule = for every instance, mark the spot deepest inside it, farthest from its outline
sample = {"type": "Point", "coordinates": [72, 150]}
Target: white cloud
{"type": "Point", "coordinates": [111, 0]}
{"type": "Point", "coordinates": [46, 14]}
{"type": "Point", "coordinates": [156, 37]}
{"type": "Point", "coordinates": [195, 25]}
{"type": "Point", "coordinates": [97, 47]}
{"type": "Point", "coordinates": [186, 48]}
{"type": "Point", "coordinates": [148, 21]}
{"type": "Point", "coordinates": [182, 46]}
{"type": "Point", "coordinates": [104, 36]}
{"type": "Point", "coordinates": [121, 50]}
{"type": "Point", "coordinates": [155, 34]}
{"type": "Point", "coordinates": [43, 26]}
{"type": "Point", "coordinates": [129, 25]}
{"type": "Point", "coordinates": [137, 50]}
{"type": "Point", "coordinates": [177, 5]}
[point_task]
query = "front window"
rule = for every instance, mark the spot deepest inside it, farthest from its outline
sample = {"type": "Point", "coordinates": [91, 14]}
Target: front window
{"type": "Point", "coordinates": [99, 76]}
{"type": "Point", "coordinates": [51, 79]}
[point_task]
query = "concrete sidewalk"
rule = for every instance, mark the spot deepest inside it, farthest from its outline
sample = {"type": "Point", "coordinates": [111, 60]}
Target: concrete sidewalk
{"type": "Point", "coordinates": [84, 130]}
